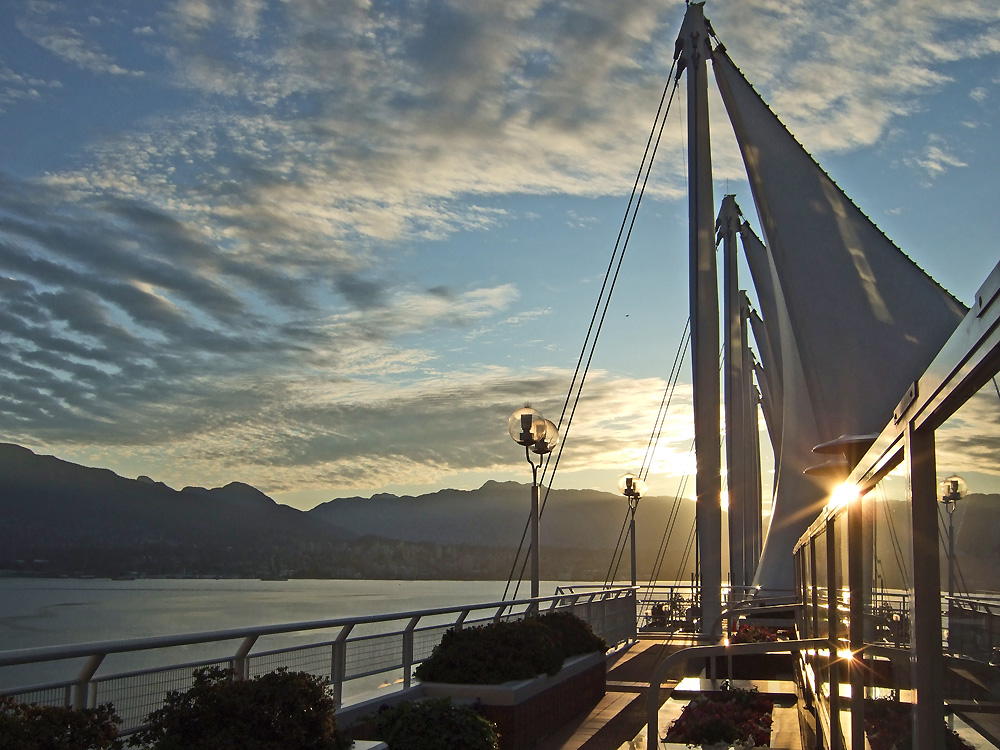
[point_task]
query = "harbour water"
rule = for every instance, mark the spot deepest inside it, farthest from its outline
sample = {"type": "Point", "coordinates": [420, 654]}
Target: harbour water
{"type": "Point", "coordinates": [49, 612]}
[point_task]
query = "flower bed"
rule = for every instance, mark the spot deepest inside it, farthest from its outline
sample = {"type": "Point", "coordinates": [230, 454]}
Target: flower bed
{"type": "Point", "coordinates": [731, 716]}
{"type": "Point", "coordinates": [889, 724]}
{"type": "Point", "coordinates": [754, 634]}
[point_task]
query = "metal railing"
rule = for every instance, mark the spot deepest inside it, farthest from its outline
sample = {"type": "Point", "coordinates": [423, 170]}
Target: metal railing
{"type": "Point", "coordinates": [662, 606]}
{"type": "Point", "coordinates": [351, 650]}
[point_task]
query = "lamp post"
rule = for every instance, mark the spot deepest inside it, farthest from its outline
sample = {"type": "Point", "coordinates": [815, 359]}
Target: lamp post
{"type": "Point", "coordinates": [632, 488]}
{"type": "Point", "coordinates": [952, 490]}
{"type": "Point", "coordinates": [539, 436]}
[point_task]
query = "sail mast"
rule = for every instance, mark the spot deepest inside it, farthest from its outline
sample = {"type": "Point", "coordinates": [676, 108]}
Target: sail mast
{"type": "Point", "coordinates": [728, 225]}
{"type": "Point", "coordinates": [694, 48]}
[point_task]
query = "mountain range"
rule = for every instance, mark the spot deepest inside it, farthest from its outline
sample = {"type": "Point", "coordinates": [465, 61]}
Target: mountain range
{"type": "Point", "coordinates": [57, 517]}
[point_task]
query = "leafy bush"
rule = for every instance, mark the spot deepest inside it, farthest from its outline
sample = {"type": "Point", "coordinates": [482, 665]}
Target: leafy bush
{"type": "Point", "coordinates": [276, 711]}
{"type": "Point", "coordinates": [30, 727]}
{"type": "Point", "coordinates": [573, 635]}
{"type": "Point", "coordinates": [494, 653]}
{"type": "Point", "coordinates": [734, 715]}
{"type": "Point", "coordinates": [504, 651]}
{"type": "Point", "coordinates": [433, 724]}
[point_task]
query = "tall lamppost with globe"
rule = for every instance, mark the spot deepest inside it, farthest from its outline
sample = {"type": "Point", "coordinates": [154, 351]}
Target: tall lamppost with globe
{"type": "Point", "coordinates": [951, 490]}
{"type": "Point", "coordinates": [632, 488]}
{"type": "Point", "coordinates": [539, 436]}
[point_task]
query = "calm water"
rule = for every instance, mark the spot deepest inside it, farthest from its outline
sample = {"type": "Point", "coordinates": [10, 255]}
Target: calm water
{"type": "Point", "coordinates": [48, 612]}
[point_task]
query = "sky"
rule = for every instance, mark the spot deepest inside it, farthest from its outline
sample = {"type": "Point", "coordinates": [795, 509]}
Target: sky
{"type": "Point", "coordinates": [327, 248]}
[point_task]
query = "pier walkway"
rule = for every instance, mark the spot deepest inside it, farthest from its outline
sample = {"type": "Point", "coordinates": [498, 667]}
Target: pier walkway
{"type": "Point", "coordinates": [618, 722]}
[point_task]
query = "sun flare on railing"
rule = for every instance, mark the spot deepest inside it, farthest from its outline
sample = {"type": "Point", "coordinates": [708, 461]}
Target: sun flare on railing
{"type": "Point", "coordinates": [843, 494]}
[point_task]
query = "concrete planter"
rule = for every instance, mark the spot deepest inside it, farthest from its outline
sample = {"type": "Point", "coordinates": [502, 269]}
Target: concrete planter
{"type": "Point", "coordinates": [757, 667]}
{"type": "Point", "coordinates": [528, 710]}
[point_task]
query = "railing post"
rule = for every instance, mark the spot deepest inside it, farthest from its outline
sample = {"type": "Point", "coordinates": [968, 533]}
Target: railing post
{"type": "Point", "coordinates": [408, 649]}
{"type": "Point", "coordinates": [461, 619]}
{"type": "Point", "coordinates": [338, 665]}
{"type": "Point", "coordinates": [241, 665]}
{"type": "Point", "coordinates": [81, 693]}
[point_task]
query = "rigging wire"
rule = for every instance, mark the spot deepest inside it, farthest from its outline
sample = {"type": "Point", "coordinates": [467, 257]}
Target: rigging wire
{"type": "Point", "coordinates": [668, 394]}
{"type": "Point", "coordinates": [897, 548]}
{"type": "Point", "coordinates": [619, 253]}
{"type": "Point", "coordinates": [668, 532]}
{"type": "Point", "coordinates": [616, 557]}
{"type": "Point", "coordinates": [687, 550]}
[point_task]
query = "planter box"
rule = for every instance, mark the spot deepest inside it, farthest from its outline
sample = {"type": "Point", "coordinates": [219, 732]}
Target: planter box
{"type": "Point", "coordinates": [529, 710]}
{"type": "Point", "coordinates": [757, 667]}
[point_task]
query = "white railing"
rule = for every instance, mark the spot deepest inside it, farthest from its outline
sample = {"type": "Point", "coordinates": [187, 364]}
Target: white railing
{"type": "Point", "coordinates": [359, 653]}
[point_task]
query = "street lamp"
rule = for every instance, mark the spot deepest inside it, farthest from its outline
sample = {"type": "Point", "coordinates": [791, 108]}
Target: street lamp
{"type": "Point", "coordinates": [539, 436]}
{"type": "Point", "coordinates": [632, 488]}
{"type": "Point", "coordinates": [952, 490]}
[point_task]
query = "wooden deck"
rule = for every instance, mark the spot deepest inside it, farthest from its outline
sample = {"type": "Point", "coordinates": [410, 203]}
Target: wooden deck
{"type": "Point", "coordinates": [618, 722]}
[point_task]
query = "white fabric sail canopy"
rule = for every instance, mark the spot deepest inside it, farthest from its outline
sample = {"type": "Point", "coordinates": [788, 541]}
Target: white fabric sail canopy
{"type": "Point", "coordinates": [855, 321]}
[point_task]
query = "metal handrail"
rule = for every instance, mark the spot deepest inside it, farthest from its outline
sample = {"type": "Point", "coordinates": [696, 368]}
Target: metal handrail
{"type": "Point", "coordinates": [78, 650]}
{"type": "Point", "coordinates": [388, 651]}
{"type": "Point", "coordinates": [694, 652]}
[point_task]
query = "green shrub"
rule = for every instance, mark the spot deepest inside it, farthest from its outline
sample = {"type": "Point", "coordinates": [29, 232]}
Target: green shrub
{"type": "Point", "coordinates": [433, 724]}
{"type": "Point", "coordinates": [276, 711]}
{"type": "Point", "coordinates": [491, 654]}
{"type": "Point", "coordinates": [31, 727]}
{"type": "Point", "coordinates": [573, 635]}
{"type": "Point", "coordinates": [505, 651]}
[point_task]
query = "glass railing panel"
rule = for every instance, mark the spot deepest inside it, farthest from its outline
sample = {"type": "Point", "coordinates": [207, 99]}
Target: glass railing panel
{"type": "Point", "coordinates": [968, 469]}
{"type": "Point", "coordinates": [890, 547]}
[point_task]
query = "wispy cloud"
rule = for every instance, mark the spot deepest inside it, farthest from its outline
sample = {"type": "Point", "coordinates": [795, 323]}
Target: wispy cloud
{"type": "Point", "coordinates": [937, 158]}
{"type": "Point", "coordinates": [68, 43]}
{"type": "Point", "coordinates": [217, 276]}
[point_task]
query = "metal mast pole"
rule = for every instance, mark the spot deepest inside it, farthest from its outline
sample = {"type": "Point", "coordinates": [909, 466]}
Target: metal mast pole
{"type": "Point", "coordinates": [750, 505]}
{"type": "Point", "coordinates": [727, 225]}
{"type": "Point", "coordinates": [693, 48]}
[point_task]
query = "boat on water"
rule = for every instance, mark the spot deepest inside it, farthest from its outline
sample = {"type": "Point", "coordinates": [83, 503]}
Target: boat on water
{"type": "Point", "coordinates": [879, 392]}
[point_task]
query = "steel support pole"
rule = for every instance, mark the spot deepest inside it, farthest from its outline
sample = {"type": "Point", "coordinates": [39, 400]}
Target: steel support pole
{"type": "Point", "coordinates": [694, 47]}
{"type": "Point", "coordinates": [926, 659]}
{"type": "Point", "coordinates": [833, 634]}
{"type": "Point", "coordinates": [534, 539]}
{"type": "Point", "coordinates": [631, 533]}
{"type": "Point", "coordinates": [860, 597]}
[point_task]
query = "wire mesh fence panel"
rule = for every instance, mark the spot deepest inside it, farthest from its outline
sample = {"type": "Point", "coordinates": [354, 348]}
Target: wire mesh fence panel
{"type": "Point", "coordinates": [315, 659]}
{"type": "Point", "coordinates": [137, 694]}
{"type": "Point", "coordinates": [373, 654]}
{"type": "Point", "coordinates": [425, 639]}
{"type": "Point", "coordinates": [53, 695]}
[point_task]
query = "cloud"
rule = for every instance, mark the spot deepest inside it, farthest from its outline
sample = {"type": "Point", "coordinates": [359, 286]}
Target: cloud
{"type": "Point", "coordinates": [68, 43]}
{"type": "Point", "coordinates": [936, 158]}
{"type": "Point", "coordinates": [18, 87]}
{"type": "Point", "coordinates": [830, 81]}
{"type": "Point", "coordinates": [285, 433]}
{"type": "Point", "coordinates": [217, 280]}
